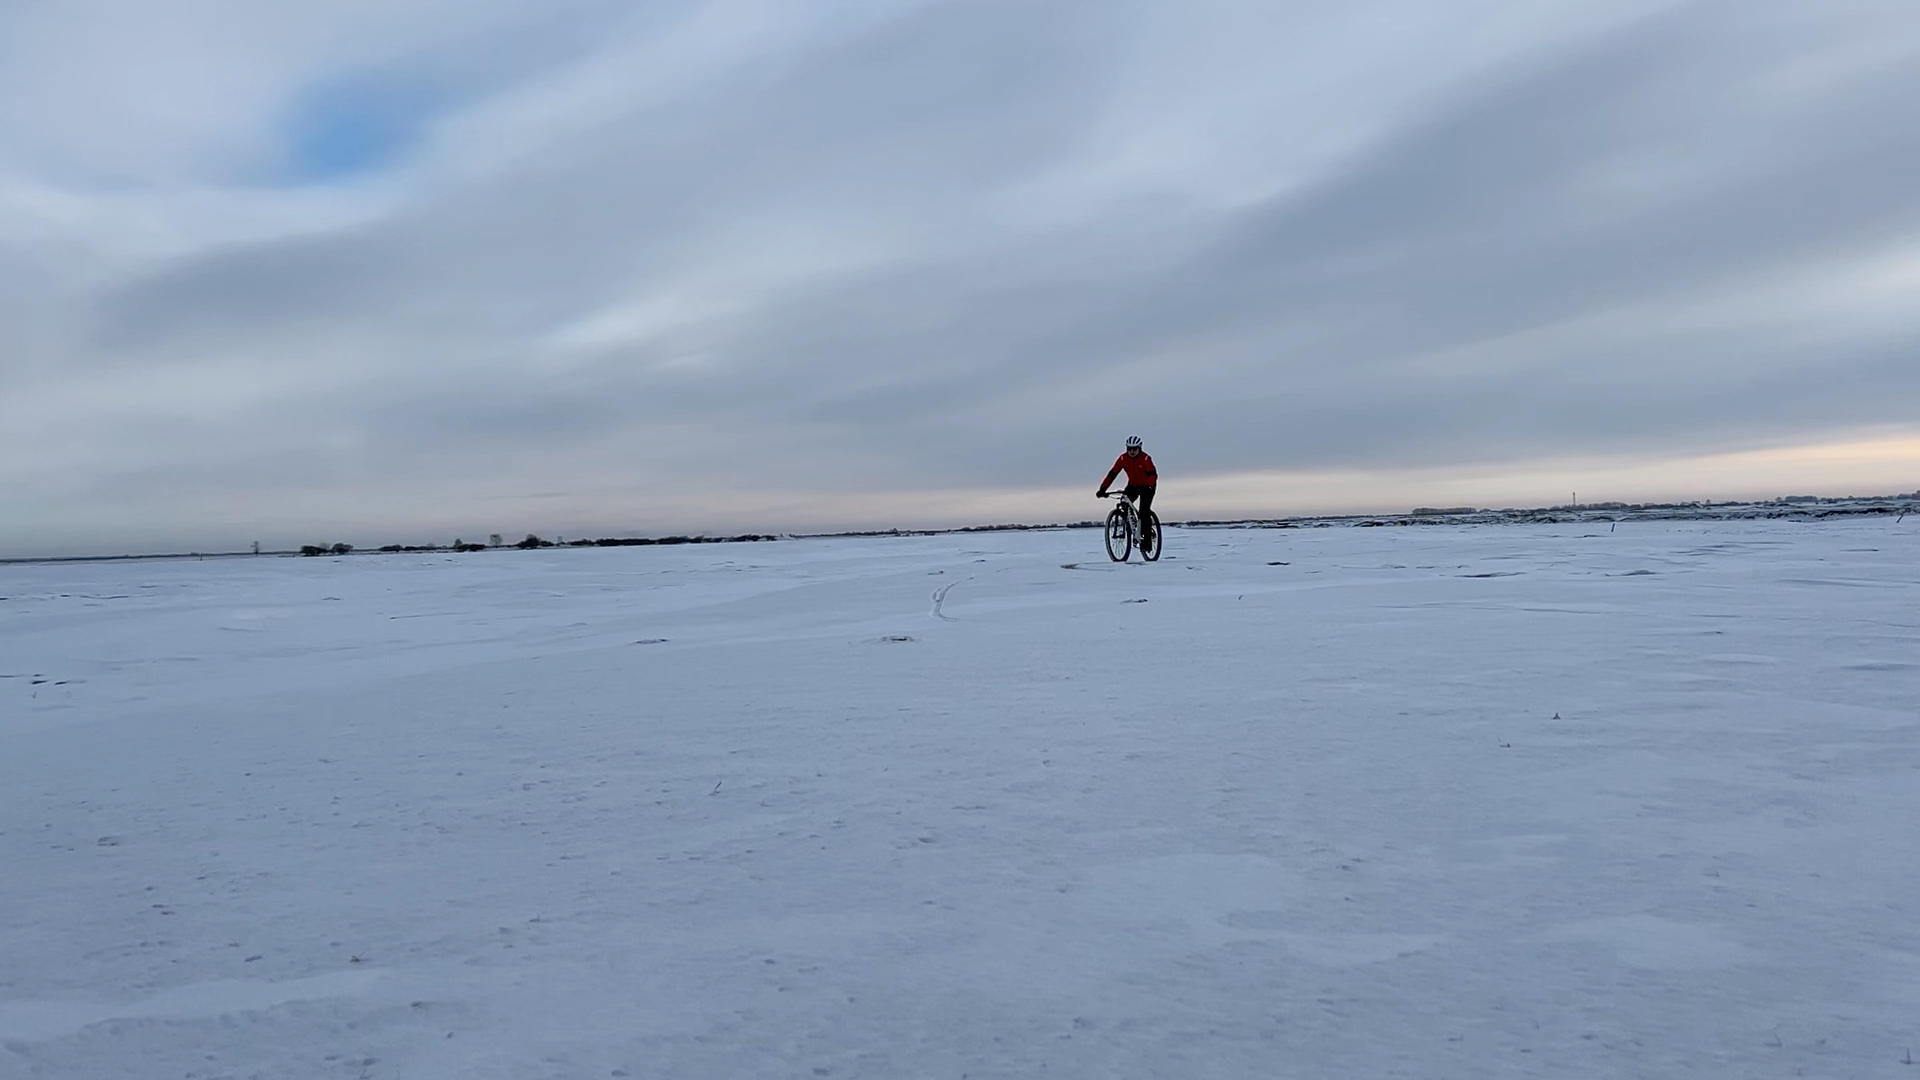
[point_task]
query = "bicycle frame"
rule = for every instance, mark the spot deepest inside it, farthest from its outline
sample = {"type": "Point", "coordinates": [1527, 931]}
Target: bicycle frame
{"type": "Point", "coordinates": [1136, 526]}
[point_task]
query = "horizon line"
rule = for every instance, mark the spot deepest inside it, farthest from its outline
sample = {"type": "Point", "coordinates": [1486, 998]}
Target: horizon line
{"type": "Point", "coordinates": [1418, 515]}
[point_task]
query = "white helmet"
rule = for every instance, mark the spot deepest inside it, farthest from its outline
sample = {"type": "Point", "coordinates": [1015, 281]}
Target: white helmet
{"type": "Point", "coordinates": [1133, 442]}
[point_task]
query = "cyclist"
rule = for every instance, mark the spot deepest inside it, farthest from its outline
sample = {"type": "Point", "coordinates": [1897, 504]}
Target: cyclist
{"type": "Point", "coordinates": [1141, 480]}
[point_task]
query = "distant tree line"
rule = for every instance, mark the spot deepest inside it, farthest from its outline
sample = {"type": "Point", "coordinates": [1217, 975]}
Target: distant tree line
{"type": "Point", "coordinates": [644, 541]}
{"type": "Point", "coordinates": [533, 541]}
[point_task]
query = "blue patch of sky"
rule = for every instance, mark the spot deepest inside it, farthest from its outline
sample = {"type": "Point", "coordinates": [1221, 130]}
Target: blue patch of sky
{"type": "Point", "coordinates": [344, 129]}
{"type": "Point", "coordinates": [357, 124]}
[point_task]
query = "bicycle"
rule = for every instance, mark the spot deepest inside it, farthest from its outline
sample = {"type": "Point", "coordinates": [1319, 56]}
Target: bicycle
{"type": "Point", "coordinates": [1124, 531]}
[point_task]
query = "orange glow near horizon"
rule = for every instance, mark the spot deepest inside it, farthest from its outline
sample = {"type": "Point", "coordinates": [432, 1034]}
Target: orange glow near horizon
{"type": "Point", "coordinates": [1888, 464]}
{"type": "Point", "coordinates": [1885, 465]}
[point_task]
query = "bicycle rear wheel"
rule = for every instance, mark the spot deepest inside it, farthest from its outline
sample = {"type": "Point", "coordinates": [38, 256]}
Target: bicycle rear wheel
{"type": "Point", "coordinates": [1119, 536]}
{"type": "Point", "coordinates": [1151, 538]}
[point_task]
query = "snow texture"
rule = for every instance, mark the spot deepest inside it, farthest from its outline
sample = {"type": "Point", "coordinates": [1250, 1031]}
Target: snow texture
{"type": "Point", "coordinates": [1456, 802]}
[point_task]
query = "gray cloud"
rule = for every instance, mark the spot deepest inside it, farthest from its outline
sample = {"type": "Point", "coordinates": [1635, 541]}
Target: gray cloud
{"type": "Point", "coordinates": [912, 250]}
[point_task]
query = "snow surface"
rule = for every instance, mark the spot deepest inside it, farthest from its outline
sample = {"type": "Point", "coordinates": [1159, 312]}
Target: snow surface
{"type": "Point", "coordinates": [1449, 802]}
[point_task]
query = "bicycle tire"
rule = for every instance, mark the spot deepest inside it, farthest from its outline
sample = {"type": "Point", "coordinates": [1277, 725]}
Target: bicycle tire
{"type": "Point", "coordinates": [1119, 534]}
{"type": "Point", "coordinates": [1150, 530]}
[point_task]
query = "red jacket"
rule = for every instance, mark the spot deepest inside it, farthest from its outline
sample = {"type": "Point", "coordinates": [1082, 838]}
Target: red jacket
{"type": "Point", "coordinates": [1139, 470]}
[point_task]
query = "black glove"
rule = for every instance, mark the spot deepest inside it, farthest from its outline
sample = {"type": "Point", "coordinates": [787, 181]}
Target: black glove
{"type": "Point", "coordinates": [1101, 494]}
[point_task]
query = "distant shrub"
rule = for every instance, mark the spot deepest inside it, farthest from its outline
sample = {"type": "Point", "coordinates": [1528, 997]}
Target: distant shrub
{"type": "Point", "coordinates": [532, 542]}
{"type": "Point", "coordinates": [310, 550]}
{"type": "Point", "coordinates": [340, 549]}
{"type": "Point", "coordinates": [462, 545]}
{"type": "Point", "coordinates": [651, 541]}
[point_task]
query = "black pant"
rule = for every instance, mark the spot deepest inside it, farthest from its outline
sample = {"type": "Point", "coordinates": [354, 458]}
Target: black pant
{"type": "Point", "coordinates": [1144, 493]}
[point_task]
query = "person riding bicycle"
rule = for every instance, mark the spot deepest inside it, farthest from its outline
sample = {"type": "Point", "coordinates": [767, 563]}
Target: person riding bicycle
{"type": "Point", "coordinates": [1141, 481]}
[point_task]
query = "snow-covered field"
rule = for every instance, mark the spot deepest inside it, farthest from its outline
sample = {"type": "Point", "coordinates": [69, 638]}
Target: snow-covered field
{"type": "Point", "coordinates": [1460, 802]}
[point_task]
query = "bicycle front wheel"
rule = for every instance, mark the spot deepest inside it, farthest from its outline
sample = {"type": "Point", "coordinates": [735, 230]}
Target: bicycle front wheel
{"type": "Point", "coordinates": [1119, 536]}
{"type": "Point", "coordinates": [1151, 538]}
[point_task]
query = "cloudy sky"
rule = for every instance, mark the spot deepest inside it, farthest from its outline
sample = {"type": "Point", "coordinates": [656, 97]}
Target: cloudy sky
{"type": "Point", "coordinates": [400, 270]}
